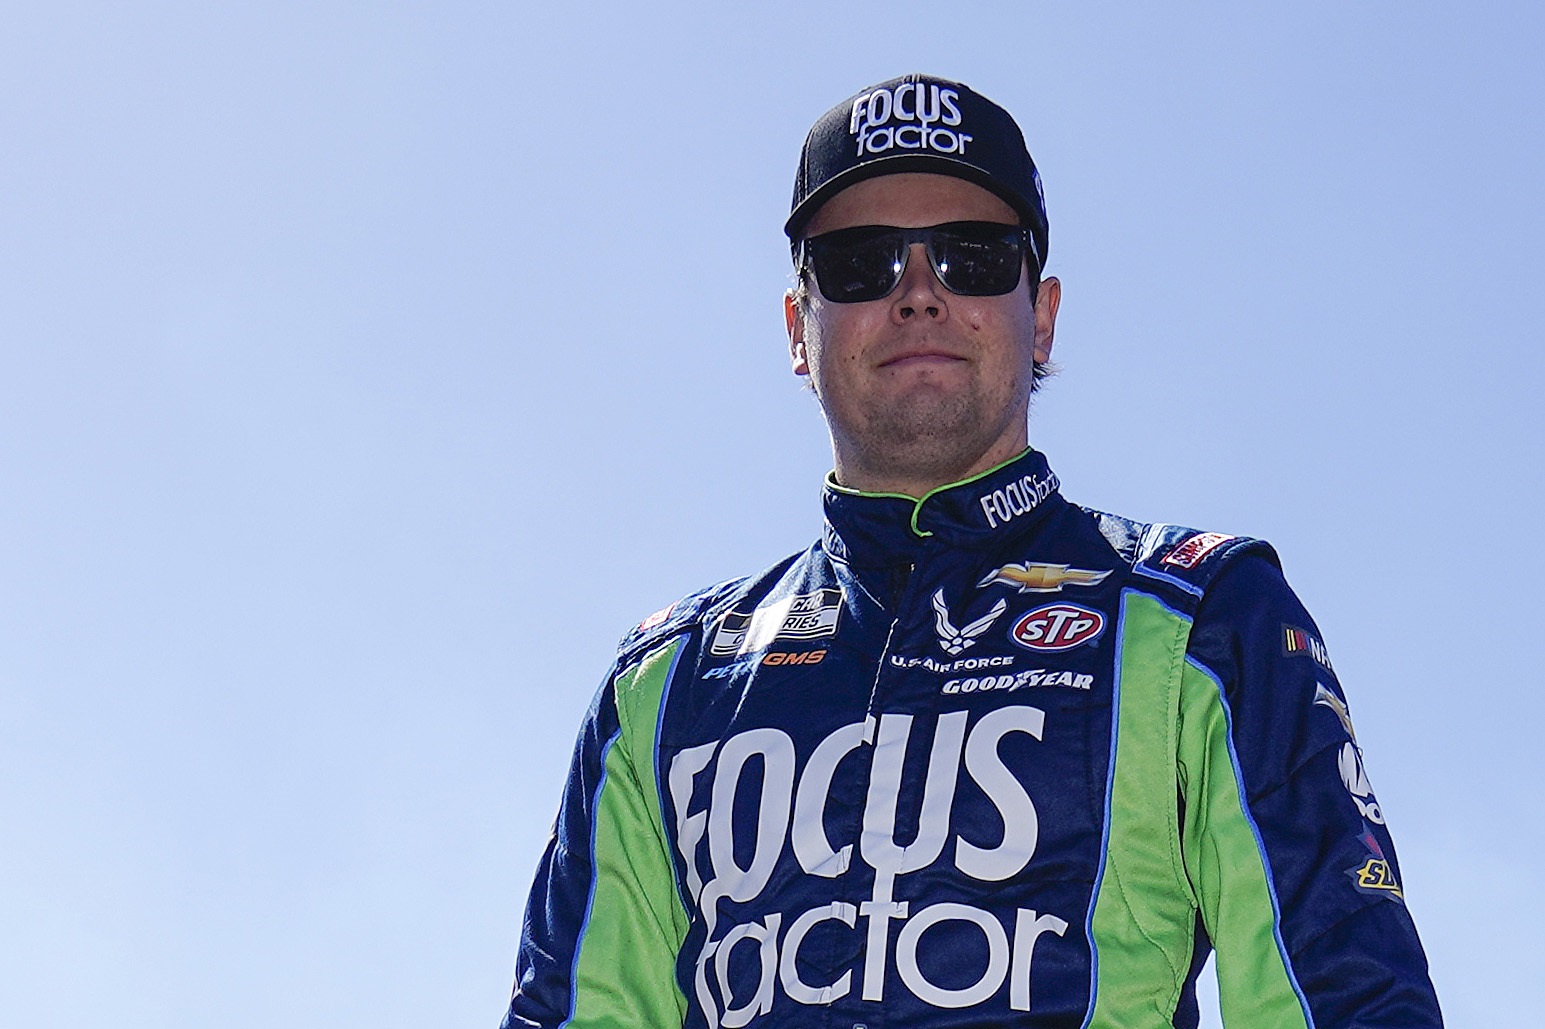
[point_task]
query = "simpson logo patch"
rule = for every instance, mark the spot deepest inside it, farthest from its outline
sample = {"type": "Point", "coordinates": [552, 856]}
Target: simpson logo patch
{"type": "Point", "coordinates": [1189, 554]}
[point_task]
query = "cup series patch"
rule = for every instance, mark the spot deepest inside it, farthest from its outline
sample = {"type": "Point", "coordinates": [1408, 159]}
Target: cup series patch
{"type": "Point", "coordinates": [804, 616]}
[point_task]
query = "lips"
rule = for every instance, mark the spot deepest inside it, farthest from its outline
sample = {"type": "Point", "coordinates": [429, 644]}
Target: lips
{"type": "Point", "coordinates": [921, 358]}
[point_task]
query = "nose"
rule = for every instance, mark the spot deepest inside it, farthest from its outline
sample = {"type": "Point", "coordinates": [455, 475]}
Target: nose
{"type": "Point", "coordinates": [919, 294]}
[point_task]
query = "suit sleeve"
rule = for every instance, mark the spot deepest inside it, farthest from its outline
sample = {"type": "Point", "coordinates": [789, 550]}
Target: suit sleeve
{"type": "Point", "coordinates": [1284, 840]}
{"type": "Point", "coordinates": [604, 921]}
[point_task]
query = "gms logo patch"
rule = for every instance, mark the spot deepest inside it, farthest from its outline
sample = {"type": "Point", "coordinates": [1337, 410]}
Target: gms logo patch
{"type": "Point", "coordinates": [1058, 627]}
{"type": "Point", "coordinates": [803, 616]}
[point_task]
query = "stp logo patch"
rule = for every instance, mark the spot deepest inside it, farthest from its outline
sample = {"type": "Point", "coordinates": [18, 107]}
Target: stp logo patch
{"type": "Point", "coordinates": [1058, 627]}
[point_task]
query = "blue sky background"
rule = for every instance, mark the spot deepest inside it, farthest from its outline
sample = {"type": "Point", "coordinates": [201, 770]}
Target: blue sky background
{"type": "Point", "coordinates": [366, 369]}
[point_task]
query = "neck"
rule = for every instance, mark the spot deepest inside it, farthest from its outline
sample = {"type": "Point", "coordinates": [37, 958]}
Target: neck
{"type": "Point", "coordinates": [917, 480]}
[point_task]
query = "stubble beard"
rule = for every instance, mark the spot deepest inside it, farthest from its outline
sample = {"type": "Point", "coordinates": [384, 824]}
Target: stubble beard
{"type": "Point", "coordinates": [925, 437]}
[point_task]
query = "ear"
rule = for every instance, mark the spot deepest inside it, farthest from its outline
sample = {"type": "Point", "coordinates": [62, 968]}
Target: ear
{"type": "Point", "coordinates": [1047, 299]}
{"type": "Point", "coordinates": [794, 321]}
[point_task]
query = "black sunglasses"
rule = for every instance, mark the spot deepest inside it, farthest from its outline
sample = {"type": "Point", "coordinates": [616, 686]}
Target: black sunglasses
{"type": "Point", "coordinates": [973, 259]}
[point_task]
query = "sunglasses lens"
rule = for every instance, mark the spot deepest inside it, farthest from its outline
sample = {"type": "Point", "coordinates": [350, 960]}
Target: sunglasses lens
{"type": "Point", "coordinates": [977, 259]}
{"type": "Point", "coordinates": [853, 265]}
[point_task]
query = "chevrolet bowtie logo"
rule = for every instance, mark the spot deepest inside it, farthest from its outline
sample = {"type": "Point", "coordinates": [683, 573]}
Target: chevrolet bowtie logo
{"type": "Point", "coordinates": [1036, 577]}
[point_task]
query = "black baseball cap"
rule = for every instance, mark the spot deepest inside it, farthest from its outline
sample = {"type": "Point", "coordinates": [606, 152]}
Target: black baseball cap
{"type": "Point", "coordinates": [918, 123]}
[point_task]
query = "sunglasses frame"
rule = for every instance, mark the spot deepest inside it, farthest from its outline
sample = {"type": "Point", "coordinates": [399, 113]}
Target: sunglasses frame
{"type": "Point", "coordinates": [805, 263]}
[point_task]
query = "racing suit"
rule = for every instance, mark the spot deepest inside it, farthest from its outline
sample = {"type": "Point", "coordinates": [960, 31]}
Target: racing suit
{"type": "Point", "coordinates": [982, 759]}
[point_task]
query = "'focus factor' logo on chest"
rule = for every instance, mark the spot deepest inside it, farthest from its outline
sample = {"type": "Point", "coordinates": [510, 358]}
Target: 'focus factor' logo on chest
{"type": "Point", "coordinates": [911, 116]}
{"type": "Point", "coordinates": [803, 616]}
{"type": "Point", "coordinates": [764, 871]}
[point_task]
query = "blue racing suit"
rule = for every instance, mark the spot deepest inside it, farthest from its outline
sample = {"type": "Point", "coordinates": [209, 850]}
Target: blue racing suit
{"type": "Point", "coordinates": [982, 759]}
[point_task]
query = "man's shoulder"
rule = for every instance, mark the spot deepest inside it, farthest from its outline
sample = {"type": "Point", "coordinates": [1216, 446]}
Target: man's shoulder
{"type": "Point", "coordinates": [1182, 557]}
{"type": "Point", "coordinates": [703, 607]}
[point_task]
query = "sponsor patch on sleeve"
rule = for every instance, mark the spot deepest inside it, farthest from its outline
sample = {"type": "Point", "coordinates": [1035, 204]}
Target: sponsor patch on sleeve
{"type": "Point", "coordinates": [1298, 642]}
{"type": "Point", "coordinates": [1190, 552]}
{"type": "Point", "coordinates": [1375, 875]}
{"type": "Point", "coordinates": [805, 616]}
{"type": "Point", "coordinates": [658, 618]}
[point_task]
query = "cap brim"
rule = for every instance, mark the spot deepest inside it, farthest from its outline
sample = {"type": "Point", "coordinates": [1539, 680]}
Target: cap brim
{"type": "Point", "coordinates": [932, 163]}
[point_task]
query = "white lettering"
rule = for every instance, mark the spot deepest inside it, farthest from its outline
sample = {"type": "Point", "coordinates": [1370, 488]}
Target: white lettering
{"type": "Point", "coordinates": [1027, 931]}
{"type": "Point", "coordinates": [788, 971]}
{"type": "Point", "coordinates": [874, 102]}
{"type": "Point", "coordinates": [811, 845]}
{"type": "Point", "coordinates": [877, 941]}
{"type": "Point", "coordinates": [777, 792]}
{"type": "Point", "coordinates": [766, 936]}
{"type": "Point", "coordinates": [1017, 498]}
{"type": "Point", "coordinates": [948, 98]}
{"type": "Point", "coordinates": [689, 828]}
{"type": "Point", "coordinates": [878, 843]}
{"type": "Point", "coordinates": [928, 112]}
{"type": "Point", "coordinates": [860, 104]}
{"type": "Point", "coordinates": [964, 664]}
{"type": "Point", "coordinates": [1019, 680]}
{"type": "Point", "coordinates": [761, 763]}
{"type": "Point", "coordinates": [1021, 826]}
{"type": "Point", "coordinates": [938, 996]}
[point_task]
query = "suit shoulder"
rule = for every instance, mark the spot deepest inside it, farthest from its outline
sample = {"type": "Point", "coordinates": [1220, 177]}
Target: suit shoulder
{"type": "Point", "coordinates": [1187, 558]}
{"type": "Point", "coordinates": [699, 608]}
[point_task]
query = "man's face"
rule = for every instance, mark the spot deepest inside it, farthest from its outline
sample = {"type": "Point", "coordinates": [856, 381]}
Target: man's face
{"type": "Point", "coordinates": [923, 386]}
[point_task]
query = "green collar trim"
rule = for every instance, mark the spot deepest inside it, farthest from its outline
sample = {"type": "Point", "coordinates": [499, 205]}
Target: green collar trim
{"type": "Point", "coordinates": [918, 502]}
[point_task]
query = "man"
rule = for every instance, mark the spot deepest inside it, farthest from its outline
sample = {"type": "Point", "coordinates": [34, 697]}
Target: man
{"type": "Point", "coordinates": [978, 757]}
